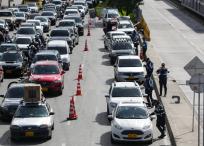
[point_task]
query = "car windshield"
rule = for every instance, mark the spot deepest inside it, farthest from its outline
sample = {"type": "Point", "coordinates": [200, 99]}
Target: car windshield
{"type": "Point", "coordinates": [77, 19]}
{"type": "Point", "coordinates": [45, 69]}
{"type": "Point", "coordinates": [5, 14]}
{"type": "Point", "coordinates": [122, 46]}
{"type": "Point", "coordinates": [61, 50]}
{"type": "Point", "coordinates": [15, 92]}
{"type": "Point", "coordinates": [112, 15]}
{"type": "Point", "coordinates": [130, 63]}
{"type": "Point", "coordinates": [59, 33]}
{"type": "Point", "coordinates": [44, 57]}
{"type": "Point", "coordinates": [23, 41]}
{"type": "Point", "coordinates": [42, 19]}
{"type": "Point", "coordinates": [19, 14]}
{"type": "Point", "coordinates": [47, 14]}
{"type": "Point", "coordinates": [26, 31]}
{"type": "Point", "coordinates": [57, 2]}
{"type": "Point", "coordinates": [131, 112]}
{"type": "Point", "coordinates": [66, 23]}
{"type": "Point", "coordinates": [4, 48]}
{"type": "Point", "coordinates": [23, 9]}
{"type": "Point", "coordinates": [126, 92]}
{"type": "Point", "coordinates": [14, 57]}
{"type": "Point", "coordinates": [31, 111]}
{"type": "Point", "coordinates": [70, 12]}
{"type": "Point", "coordinates": [128, 25]}
{"type": "Point", "coordinates": [31, 4]}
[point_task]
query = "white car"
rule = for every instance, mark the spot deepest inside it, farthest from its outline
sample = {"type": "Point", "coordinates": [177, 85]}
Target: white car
{"type": "Point", "coordinates": [63, 48]}
{"type": "Point", "coordinates": [129, 68]}
{"type": "Point", "coordinates": [72, 12]}
{"type": "Point", "coordinates": [23, 42]}
{"type": "Point", "coordinates": [126, 26]}
{"type": "Point", "coordinates": [123, 91]}
{"type": "Point", "coordinates": [33, 7]}
{"type": "Point", "coordinates": [32, 120]}
{"type": "Point", "coordinates": [45, 22]}
{"type": "Point", "coordinates": [37, 24]}
{"type": "Point", "coordinates": [131, 122]}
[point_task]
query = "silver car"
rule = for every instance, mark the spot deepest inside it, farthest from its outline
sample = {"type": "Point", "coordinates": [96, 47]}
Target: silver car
{"type": "Point", "coordinates": [32, 120]}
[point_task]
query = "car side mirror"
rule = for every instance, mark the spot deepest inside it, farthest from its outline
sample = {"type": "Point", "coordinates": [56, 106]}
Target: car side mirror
{"type": "Point", "coordinates": [152, 117]}
{"type": "Point", "coordinates": [48, 35]}
{"type": "Point", "coordinates": [52, 113]}
{"type": "Point", "coordinates": [63, 72]}
{"type": "Point", "coordinates": [114, 65]}
{"type": "Point", "coordinates": [107, 96]}
{"type": "Point", "coordinates": [110, 117]}
{"type": "Point", "coordinates": [60, 61]}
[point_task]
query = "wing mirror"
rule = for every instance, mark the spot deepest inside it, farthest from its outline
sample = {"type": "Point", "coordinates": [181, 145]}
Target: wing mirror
{"type": "Point", "coordinates": [2, 96]}
{"type": "Point", "coordinates": [52, 113]}
{"type": "Point", "coordinates": [107, 96]}
{"type": "Point", "coordinates": [110, 117]}
{"type": "Point", "coordinates": [152, 117]}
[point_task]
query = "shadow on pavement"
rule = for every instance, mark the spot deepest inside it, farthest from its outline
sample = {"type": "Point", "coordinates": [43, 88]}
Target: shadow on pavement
{"type": "Point", "coordinates": [106, 63]}
{"type": "Point", "coordinates": [102, 50]}
{"type": "Point", "coordinates": [101, 119]}
{"type": "Point", "coordinates": [106, 141]}
{"type": "Point", "coordinates": [110, 81]}
{"type": "Point", "coordinates": [106, 56]}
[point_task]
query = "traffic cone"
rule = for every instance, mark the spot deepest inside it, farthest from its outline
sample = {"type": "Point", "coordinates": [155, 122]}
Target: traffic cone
{"type": "Point", "coordinates": [72, 111]}
{"type": "Point", "coordinates": [88, 34]}
{"type": "Point", "coordinates": [86, 46]}
{"type": "Point", "coordinates": [80, 77]}
{"type": "Point", "coordinates": [78, 91]}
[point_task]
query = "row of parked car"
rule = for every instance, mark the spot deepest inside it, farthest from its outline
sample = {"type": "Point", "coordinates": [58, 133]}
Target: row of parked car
{"type": "Point", "coordinates": [48, 66]}
{"type": "Point", "coordinates": [126, 107]}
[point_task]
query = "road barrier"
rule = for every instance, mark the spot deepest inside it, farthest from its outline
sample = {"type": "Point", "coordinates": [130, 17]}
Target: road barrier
{"type": "Point", "coordinates": [72, 111]}
{"type": "Point", "coordinates": [78, 91]}
{"type": "Point", "coordinates": [86, 46]}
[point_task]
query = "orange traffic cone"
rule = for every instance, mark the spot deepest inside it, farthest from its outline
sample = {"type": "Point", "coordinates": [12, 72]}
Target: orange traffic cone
{"type": "Point", "coordinates": [80, 77]}
{"type": "Point", "coordinates": [88, 34]}
{"type": "Point", "coordinates": [72, 111]}
{"type": "Point", "coordinates": [78, 92]}
{"type": "Point", "coordinates": [86, 46]}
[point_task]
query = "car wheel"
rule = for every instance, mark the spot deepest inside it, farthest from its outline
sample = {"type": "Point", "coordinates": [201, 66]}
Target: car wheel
{"type": "Point", "coordinates": [53, 126]}
{"type": "Point", "coordinates": [112, 140]}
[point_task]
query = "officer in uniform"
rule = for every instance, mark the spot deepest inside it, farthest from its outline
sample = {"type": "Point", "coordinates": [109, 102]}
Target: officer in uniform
{"type": "Point", "coordinates": [149, 67]}
{"type": "Point", "coordinates": [161, 118]}
{"type": "Point", "coordinates": [149, 86]}
{"type": "Point", "coordinates": [163, 71]}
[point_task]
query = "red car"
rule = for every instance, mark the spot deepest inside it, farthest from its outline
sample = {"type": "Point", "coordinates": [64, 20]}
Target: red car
{"type": "Point", "coordinates": [1, 74]}
{"type": "Point", "coordinates": [49, 74]}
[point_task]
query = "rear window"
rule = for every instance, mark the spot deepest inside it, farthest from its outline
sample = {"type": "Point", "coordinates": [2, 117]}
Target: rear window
{"type": "Point", "coordinates": [122, 46]}
{"type": "Point", "coordinates": [5, 14]}
{"type": "Point", "coordinates": [130, 63]}
{"type": "Point", "coordinates": [59, 33]}
{"type": "Point", "coordinates": [15, 92]}
{"type": "Point", "coordinates": [23, 41]}
{"type": "Point", "coordinates": [45, 57]}
{"type": "Point", "coordinates": [61, 50]}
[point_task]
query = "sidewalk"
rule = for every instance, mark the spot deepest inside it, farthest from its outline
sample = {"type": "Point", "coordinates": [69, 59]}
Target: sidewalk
{"type": "Point", "coordinates": [5, 3]}
{"type": "Point", "coordinates": [179, 115]}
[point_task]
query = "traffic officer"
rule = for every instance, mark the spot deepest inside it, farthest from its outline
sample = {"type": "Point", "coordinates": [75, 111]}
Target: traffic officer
{"type": "Point", "coordinates": [149, 86]}
{"type": "Point", "coordinates": [162, 71]}
{"type": "Point", "coordinates": [149, 67]}
{"type": "Point", "coordinates": [161, 118]}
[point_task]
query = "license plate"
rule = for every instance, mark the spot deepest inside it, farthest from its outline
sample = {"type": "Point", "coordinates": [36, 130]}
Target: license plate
{"type": "Point", "coordinates": [29, 134]}
{"type": "Point", "coordinates": [132, 135]}
{"type": "Point", "coordinates": [131, 78]}
{"type": "Point", "coordinates": [8, 71]}
{"type": "Point", "coordinates": [44, 89]}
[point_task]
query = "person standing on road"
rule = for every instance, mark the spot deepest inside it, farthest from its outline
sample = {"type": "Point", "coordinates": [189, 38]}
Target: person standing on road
{"type": "Point", "coordinates": [144, 47]}
{"type": "Point", "coordinates": [161, 118]}
{"type": "Point", "coordinates": [149, 86]}
{"type": "Point", "coordinates": [149, 67]}
{"type": "Point", "coordinates": [163, 71]}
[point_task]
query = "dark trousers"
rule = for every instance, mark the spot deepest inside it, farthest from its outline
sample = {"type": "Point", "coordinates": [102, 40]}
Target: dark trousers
{"type": "Point", "coordinates": [161, 127]}
{"type": "Point", "coordinates": [149, 98]}
{"type": "Point", "coordinates": [163, 83]}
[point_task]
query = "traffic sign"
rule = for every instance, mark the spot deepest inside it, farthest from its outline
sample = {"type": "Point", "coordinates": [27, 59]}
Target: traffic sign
{"type": "Point", "coordinates": [195, 66]}
{"type": "Point", "coordinates": [197, 83]}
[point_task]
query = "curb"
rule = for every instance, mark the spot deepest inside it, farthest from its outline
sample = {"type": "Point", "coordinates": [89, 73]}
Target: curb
{"type": "Point", "coordinates": [171, 135]}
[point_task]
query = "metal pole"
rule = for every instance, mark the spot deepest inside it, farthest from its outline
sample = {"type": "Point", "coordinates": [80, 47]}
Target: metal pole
{"type": "Point", "coordinates": [193, 111]}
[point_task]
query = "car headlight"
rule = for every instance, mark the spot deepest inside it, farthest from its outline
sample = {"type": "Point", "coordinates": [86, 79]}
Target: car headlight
{"type": "Point", "coordinates": [15, 127]}
{"type": "Point", "coordinates": [113, 105]}
{"type": "Point", "coordinates": [146, 127]}
{"type": "Point", "coordinates": [117, 126]}
{"type": "Point", "coordinates": [44, 126]}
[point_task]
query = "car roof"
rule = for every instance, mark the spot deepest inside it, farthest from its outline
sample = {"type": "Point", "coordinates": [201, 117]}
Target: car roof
{"type": "Point", "coordinates": [134, 103]}
{"type": "Point", "coordinates": [129, 57]}
{"type": "Point", "coordinates": [24, 37]}
{"type": "Point", "coordinates": [124, 22]}
{"type": "Point", "coordinates": [125, 84]}
{"type": "Point", "coordinates": [64, 20]}
{"type": "Point", "coordinates": [8, 44]}
{"type": "Point", "coordinates": [122, 36]}
{"type": "Point", "coordinates": [47, 62]}
{"type": "Point", "coordinates": [59, 28]}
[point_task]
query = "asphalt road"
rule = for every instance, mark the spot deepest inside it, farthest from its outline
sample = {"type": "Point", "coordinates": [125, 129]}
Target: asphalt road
{"type": "Point", "coordinates": [92, 127]}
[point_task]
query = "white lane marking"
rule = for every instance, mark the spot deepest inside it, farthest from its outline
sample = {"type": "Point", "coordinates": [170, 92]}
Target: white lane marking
{"type": "Point", "coordinates": [63, 144]}
{"type": "Point", "coordinates": [69, 123]}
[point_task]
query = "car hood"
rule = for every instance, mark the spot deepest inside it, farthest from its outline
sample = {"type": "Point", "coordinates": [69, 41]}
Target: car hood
{"type": "Point", "coordinates": [48, 78]}
{"type": "Point", "coordinates": [133, 123]}
{"type": "Point", "coordinates": [130, 69]}
{"type": "Point", "coordinates": [31, 121]}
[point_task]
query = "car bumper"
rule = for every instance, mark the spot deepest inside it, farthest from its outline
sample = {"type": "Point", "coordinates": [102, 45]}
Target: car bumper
{"type": "Point", "coordinates": [40, 133]}
{"type": "Point", "coordinates": [117, 136]}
